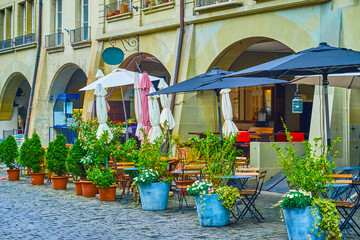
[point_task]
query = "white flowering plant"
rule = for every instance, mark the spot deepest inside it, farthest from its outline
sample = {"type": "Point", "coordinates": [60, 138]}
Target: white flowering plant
{"type": "Point", "coordinates": [296, 199]}
{"type": "Point", "coordinates": [147, 177]}
{"type": "Point", "coordinates": [226, 193]}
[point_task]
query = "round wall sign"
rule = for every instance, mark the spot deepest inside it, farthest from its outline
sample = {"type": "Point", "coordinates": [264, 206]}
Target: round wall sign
{"type": "Point", "coordinates": [113, 56]}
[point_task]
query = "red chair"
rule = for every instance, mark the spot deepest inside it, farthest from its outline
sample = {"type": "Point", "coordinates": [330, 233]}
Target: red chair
{"type": "Point", "coordinates": [296, 137]}
{"type": "Point", "coordinates": [243, 137]}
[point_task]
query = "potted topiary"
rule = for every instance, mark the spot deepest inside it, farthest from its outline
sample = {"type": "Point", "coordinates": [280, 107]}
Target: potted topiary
{"type": "Point", "coordinates": [75, 166]}
{"type": "Point", "coordinates": [8, 154]}
{"type": "Point", "coordinates": [32, 156]}
{"type": "Point", "coordinates": [104, 178]}
{"type": "Point", "coordinates": [55, 161]}
{"type": "Point", "coordinates": [214, 199]}
{"type": "Point", "coordinates": [306, 213]}
{"type": "Point", "coordinates": [153, 181]}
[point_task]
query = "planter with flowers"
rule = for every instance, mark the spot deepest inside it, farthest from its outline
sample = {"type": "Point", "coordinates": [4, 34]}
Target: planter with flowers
{"type": "Point", "coordinates": [8, 155]}
{"type": "Point", "coordinates": [214, 199]}
{"type": "Point", "coordinates": [32, 156]}
{"type": "Point", "coordinates": [98, 151]}
{"type": "Point", "coordinates": [75, 166]}
{"type": "Point", "coordinates": [153, 180]}
{"type": "Point", "coordinates": [105, 179]}
{"type": "Point", "coordinates": [307, 214]}
{"type": "Point", "coordinates": [56, 156]}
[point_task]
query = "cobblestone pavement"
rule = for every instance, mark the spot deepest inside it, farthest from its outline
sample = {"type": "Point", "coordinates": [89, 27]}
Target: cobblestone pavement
{"type": "Point", "coordinates": [39, 212]}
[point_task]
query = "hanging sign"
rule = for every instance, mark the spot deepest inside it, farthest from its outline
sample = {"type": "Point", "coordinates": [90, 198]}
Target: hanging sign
{"type": "Point", "coordinates": [113, 55]}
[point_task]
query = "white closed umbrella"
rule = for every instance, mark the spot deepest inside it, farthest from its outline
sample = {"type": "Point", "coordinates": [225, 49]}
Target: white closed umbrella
{"type": "Point", "coordinates": [166, 115]}
{"type": "Point", "coordinates": [137, 103]}
{"type": "Point", "coordinates": [154, 115]}
{"type": "Point", "coordinates": [101, 112]}
{"type": "Point", "coordinates": [229, 126]}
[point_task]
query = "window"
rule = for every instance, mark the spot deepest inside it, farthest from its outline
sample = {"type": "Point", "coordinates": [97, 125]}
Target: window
{"type": "Point", "coordinates": [2, 26]}
{"type": "Point", "coordinates": [85, 19]}
{"type": "Point", "coordinates": [249, 101]}
{"type": "Point", "coordinates": [58, 23]}
{"type": "Point", "coordinates": [32, 17]}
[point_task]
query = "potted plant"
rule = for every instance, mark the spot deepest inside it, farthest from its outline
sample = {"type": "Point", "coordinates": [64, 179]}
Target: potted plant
{"type": "Point", "coordinates": [55, 161]}
{"type": "Point", "coordinates": [153, 181]}
{"type": "Point", "coordinates": [8, 154]}
{"type": "Point", "coordinates": [32, 156]}
{"type": "Point", "coordinates": [75, 166]}
{"type": "Point", "coordinates": [98, 151]}
{"type": "Point", "coordinates": [214, 199]}
{"type": "Point", "coordinates": [104, 178]}
{"type": "Point", "coordinates": [306, 213]}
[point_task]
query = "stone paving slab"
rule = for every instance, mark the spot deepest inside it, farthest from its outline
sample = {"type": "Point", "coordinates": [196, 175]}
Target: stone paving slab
{"type": "Point", "coordinates": [39, 212]}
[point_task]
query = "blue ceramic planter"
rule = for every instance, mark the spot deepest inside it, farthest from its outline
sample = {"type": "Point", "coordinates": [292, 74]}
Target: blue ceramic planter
{"type": "Point", "coordinates": [155, 196]}
{"type": "Point", "coordinates": [213, 213]}
{"type": "Point", "coordinates": [299, 222]}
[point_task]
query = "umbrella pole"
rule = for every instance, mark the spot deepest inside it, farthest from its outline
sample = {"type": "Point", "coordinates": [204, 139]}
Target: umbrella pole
{"type": "Point", "coordinates": [219, 112]}
{"type": "Point", "coordinates": [126, 123]}
{"type": "Point", "coordinates": [327, 115]}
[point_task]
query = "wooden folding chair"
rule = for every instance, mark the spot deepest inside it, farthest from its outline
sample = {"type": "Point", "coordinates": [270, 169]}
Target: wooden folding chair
{"type": "Point", "coordinates": [341, 185]}
{"type": "Point", "coordinates": [122, 176]}
{"type": "Point", "coordinates": [249, 198]}
{"type": "Point", "coordinates": [347, 210]}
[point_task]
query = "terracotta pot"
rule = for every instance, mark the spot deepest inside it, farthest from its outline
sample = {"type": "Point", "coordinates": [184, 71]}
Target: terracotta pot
{"type": "Point", "coordinates": [117, 12]}
{"type": "Point", "coordinates": [13, 174]}
{"type": "Point", "coordinates": [108, 194]}
{"type": "Point", "coordinates": [78, 188]}
{"type": "Point", "coordinates": [166, 1]}
{"type": "Point", "coordinates": [88, 189]}
{"type": "Point", "coordinates": [37, 178]}
{"type": "Point", "coordinates": [59, 183]}
{"type": "Point", "coordinates": [124, 7]}
{"type": "Point", "coordinates": [183, 192]}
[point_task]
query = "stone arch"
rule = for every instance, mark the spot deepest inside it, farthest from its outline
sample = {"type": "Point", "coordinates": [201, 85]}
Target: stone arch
{"type": "Point", "coordinates": [65, 77]}
{"type": "Point", "coordinates": [245, 34]}
{"type": "Point", "coordinates": [10, 91]}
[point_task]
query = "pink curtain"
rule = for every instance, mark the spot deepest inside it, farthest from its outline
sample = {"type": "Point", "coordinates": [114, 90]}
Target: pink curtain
{"type": "Point", "coordinates": [145, 85]}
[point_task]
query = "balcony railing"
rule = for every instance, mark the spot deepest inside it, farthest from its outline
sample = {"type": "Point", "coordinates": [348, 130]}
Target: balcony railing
{"type": "Point", "coordinates": [26, 39]}
{"type": "Point", "coordinates": [151, 3]}
{"type": "Point", "coordinates": [202, 3]}
{"type": "Point", "coordinates": [80, 34]}
{"type": "Point", "coordinates": [117, 8]}
{"type": "Point", "coordinates": [54, 40]}
{"type": "Point", "coordinates": [6, 44]}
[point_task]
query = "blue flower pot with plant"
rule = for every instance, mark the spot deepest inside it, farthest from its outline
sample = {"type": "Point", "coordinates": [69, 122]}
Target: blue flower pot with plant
{"type": "Point", "coordinates": [211, 212]}
{"type": "Point", "coordinates": [154, 197]}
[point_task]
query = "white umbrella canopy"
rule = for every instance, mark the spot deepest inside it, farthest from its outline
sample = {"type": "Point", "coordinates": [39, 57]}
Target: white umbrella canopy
{"type": "Point", "coordinates": [101, 112]}
{"type": "Point", "coordinates": [229, 126]}
{"type": "Point", "coordinates": [137, 103]}
{"type": "Point", "coordinates": [118, 77]}
{"type": "Point", "coordinates": [99, 74]}
{"type": "Point", "coordinates": [154, 114]}
{"type": "Point", "coordinates": [166, 116]}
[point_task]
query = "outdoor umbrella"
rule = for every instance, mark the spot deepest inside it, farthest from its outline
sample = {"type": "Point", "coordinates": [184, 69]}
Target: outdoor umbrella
{"type": "Point", "coordinates": [99, 74]}
{"type": "Point", "coordinates": [119, 77]}
{"type": "Point", "coordinates": [145, 85]}
{"type": "Point", "coordinates": [101, 112]}
{"type": "Point", "coordinates": [214, 80]}
{"type": "Point", "coordinates": [344, 80]}
{"type": "Point", "coordinates": [137, 103]}
{"type": "Point", "coordinates": [229, 126]}
{"type": "Point", "coordinates": [322, 60]}
{"type": "Point", "coordinates": [166, 115]}
{"type": "Point", "coordinates": [154, 115]}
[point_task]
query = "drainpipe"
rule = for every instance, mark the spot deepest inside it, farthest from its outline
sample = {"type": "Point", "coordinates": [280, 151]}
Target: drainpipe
{"type": "Point", "coordinates": [35, 70]}
{"type": "Point", "coordinates": [178, 55]}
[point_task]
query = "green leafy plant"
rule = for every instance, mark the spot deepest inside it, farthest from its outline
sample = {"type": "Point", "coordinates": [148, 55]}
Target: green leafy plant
{"type": "Point", "coordinates": [56, 155]}
{"type": "Point", "coordinates": [125, 152]}
{"type": "Point", "coordinates": [102, 177]}
{"type": "Point", "coordinates": [146, 177]}
{"type": "Point", "coordinates": [199, 188]}
{"type": "Point", "coordinates": [73, 162]}
{"type": "Point", "coordinates": [296, 199]}
{"type": "Point", "coordinates": [229, 195]}
{"type": "Point", "coordinates": [311, 173]}
{"type": "Point", "coordinates": [9, 152]}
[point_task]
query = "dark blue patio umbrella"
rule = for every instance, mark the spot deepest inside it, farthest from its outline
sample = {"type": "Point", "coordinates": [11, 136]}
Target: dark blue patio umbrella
{"type": "Point", "coordinates": [322, 60]}
{"type": "Point", "coordinates": [214, 80]}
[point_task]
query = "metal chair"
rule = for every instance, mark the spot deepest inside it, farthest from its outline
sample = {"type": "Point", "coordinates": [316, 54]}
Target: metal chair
{"type": "Point", "coordinates": [249, 198]}
{"type": "Point", "coordinates": [347, 210]}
